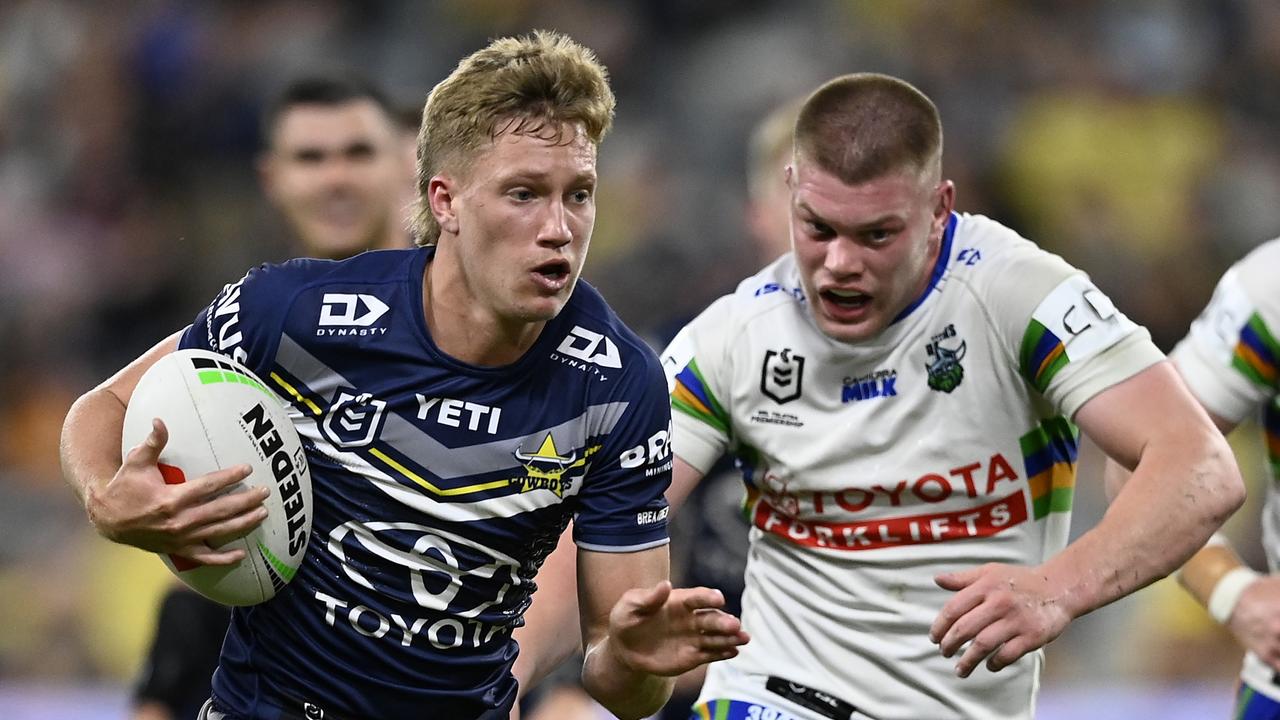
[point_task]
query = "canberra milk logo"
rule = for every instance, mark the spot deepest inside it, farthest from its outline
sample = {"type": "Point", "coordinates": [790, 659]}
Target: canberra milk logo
{"type": "Point", "coordinates": [350, 314]}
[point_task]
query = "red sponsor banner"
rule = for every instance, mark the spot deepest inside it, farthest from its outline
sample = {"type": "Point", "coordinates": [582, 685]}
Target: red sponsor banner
{"type": "Point", "coordinates": [981, 521]}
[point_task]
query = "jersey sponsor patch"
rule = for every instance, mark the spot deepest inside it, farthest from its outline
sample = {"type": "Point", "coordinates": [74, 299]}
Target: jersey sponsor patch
{"type": "Point", "coordinates": [1074, 321]}
{"type": "Point", "coordinates": [1232, 331]}
{"type": "Point", "coordinates": [677, 356]}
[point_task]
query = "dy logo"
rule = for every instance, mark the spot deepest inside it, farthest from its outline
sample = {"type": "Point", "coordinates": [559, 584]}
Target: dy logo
{"type": "Point", "coordinates": [782, 375]}
{"type": "Point", "coordinates": [353, 420]}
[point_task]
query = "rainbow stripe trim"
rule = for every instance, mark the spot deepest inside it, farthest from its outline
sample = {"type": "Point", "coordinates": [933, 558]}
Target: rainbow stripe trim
{"type": "Point", "coordinates": [732, 710]}
{"type": "Point", "coordinates": [1049, 454]}
{"type": "Point", "coordinates": [692, 397]}
{"type": "Point", "coordinates": [1257, 354]}
{"type": "Point", "coordinates": [1042, 356]}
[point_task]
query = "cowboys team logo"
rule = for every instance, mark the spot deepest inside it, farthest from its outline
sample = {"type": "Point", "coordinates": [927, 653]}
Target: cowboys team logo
{"type": "Point", "coordinates": [781, 375]}
{"type": "Point", "coordinates": [353, 420]}
{"type": "Point", "coordinates": [545, 468]}
{"type": "Point", "coordinates": [944, 368]}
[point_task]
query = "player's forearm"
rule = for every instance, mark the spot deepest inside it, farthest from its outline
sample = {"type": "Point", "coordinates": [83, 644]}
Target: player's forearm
{"type": "Point", "coordinates": [90, 445]}
{"type": "Point", "coordinates": [1203, 571]}
{"type": "Point", "coordinates": [1178, 496]}
{"type": "Point", "coordinates": [623, 690]}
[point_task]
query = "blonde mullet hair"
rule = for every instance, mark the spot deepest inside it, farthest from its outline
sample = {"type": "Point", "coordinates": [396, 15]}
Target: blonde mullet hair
{"type": "Point", "coordinates": [535, 85]}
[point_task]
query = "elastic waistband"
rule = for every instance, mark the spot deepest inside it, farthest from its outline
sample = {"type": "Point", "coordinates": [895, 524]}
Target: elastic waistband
{"type": "Point", "coordinates": [825, 704]}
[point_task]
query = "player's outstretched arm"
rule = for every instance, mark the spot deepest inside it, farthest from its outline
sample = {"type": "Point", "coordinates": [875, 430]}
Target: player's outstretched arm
{"type": "Point", "coordinates": [127, 499]}
{"type": "Point", "coordinates": [549, 635]}
{"type": "Point", "coordinates": [1185, 483]}
{"type": "Point", "coordinates": [1247, 603]}
{"type": "Point", "coordinates": [640, 632]}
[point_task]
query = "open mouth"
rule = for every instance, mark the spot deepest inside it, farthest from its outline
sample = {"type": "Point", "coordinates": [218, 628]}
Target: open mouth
{"type": "Point", "coordinates": [553, 274]}
{"type": "Point", "coordinates": [846, 299]}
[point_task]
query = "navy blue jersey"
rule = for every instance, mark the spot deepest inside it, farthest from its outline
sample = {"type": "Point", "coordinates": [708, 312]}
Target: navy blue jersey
{"type": "Point", "coordinates": [439, 487]}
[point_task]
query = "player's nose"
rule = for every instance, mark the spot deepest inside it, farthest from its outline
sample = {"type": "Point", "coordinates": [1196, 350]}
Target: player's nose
{"type": "Point", "coordinates": [554, 230]}
{"type": "Point", "coordinates": [844, 258]}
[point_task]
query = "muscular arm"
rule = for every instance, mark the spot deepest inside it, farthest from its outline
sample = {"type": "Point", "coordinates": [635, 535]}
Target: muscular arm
{"type": "Point", "coordinates": [1184, 485]}
{"type": "Point", "coordinates": [1255, 617]}
{"type": "Point", "coordinates": [640, 632]}
{"type": "Point", "coordinates": [127, 500]}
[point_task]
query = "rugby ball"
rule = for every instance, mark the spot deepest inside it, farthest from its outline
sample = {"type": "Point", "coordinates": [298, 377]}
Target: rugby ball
{"type": "Point", "coordinates": [219, 414]}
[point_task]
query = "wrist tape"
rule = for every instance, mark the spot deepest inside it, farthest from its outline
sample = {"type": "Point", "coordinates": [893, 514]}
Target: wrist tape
{"type": "Point", "coordinates": [1226, 594]}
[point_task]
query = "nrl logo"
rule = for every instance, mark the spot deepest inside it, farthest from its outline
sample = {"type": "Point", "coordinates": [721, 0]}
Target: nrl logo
{"type": "Point", "coordinates": [545, 468]}
{"type": "Point", "coordinates": [944, 368]}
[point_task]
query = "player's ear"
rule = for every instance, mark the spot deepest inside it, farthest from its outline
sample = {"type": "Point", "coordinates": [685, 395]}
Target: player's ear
{"type": "Point", "coordinates": [441, 195]}
{"type": "Point", "coordinates": [943, 203]}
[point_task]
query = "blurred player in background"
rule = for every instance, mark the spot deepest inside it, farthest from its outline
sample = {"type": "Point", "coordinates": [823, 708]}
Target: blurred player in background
{"type": "Point", "coordinates": [1231, 362]}
{"type": "Point", "coordinates": [488, 309]}
{"type": "Point", "coordinates": [902, 393]}
{"type": "Point", "coordinates": [336, 167]}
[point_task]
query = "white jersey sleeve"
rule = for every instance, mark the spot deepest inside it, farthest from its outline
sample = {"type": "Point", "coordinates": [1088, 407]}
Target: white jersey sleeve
{"type": "Point", "coordinates": [1231, 357]}
{"type": "Point", "coordinates": [699, 392]}
{"type": "Point", "coordinates": [1064, 335]}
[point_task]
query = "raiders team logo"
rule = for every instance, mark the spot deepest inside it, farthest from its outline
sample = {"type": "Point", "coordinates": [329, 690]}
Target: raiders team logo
{"type": "Point", "coordinates": [944, 368]}
{"type": "Point", "coordinates": [782, 375]}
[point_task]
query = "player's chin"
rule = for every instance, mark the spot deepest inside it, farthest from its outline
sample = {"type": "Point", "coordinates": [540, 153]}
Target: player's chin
{"type": "Point", "coordinates": [851, 332]}
{"type": "Point", "coordinates": [542, 308]}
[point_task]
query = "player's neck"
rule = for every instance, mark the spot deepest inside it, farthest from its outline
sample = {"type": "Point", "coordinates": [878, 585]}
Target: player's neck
{"type": "Point", "coordinates": [466, 329]}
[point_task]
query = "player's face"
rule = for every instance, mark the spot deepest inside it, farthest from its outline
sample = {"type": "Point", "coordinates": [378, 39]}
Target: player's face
{"type": "Point", "coordinates": [865, 251]}
{"type": "Point", "coordinates": [525, 213]}
{"type": "Point", "coordinates": [336, 173]}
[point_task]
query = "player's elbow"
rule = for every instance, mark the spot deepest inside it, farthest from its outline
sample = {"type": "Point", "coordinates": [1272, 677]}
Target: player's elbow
{"type": "Point", "coordinates": [1218, 487]}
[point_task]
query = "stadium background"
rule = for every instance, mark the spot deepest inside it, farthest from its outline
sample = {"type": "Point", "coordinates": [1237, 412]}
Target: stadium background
{"type": "Point", "coordinates": [1136, 138]}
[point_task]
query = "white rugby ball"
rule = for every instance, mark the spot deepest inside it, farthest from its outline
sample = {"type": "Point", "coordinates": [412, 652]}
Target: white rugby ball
{"type": "Point", "coordinates": [219, 414]}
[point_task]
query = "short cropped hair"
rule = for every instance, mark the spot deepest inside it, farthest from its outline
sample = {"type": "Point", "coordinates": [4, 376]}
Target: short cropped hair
{"type": "Point", "coordinates": [862, 126]}
{"type": "Point", "coordinates": [531, 84]}
{"type": "Point", "coordinates": [325, 91]}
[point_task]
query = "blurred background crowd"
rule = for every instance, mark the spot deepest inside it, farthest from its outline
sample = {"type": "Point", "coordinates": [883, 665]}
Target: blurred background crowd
{"type": "Point", "coordinates": [1137, 138]}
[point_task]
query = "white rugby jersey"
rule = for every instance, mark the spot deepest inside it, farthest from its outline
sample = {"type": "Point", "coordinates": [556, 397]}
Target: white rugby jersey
{"type": "Point", "coordinates": [1231, 361]}
{"type": "Point", "coordinates": [942, 444]}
